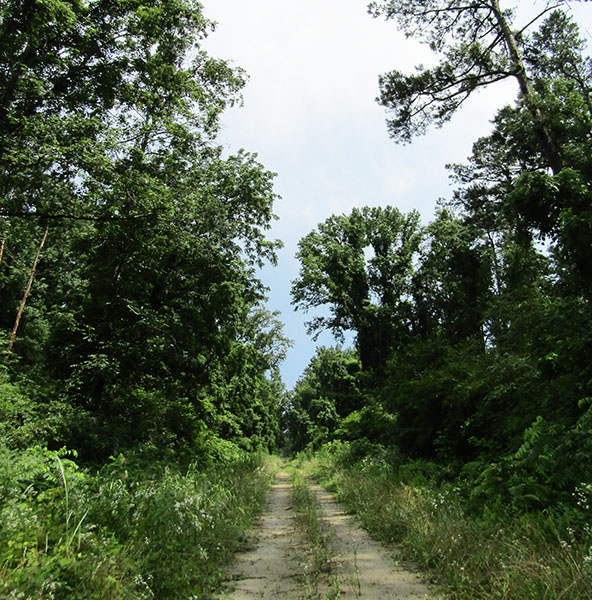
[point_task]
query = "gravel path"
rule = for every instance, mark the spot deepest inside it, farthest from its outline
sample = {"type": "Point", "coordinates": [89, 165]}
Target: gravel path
{"type": "Point", "coordinates": [272, 569]}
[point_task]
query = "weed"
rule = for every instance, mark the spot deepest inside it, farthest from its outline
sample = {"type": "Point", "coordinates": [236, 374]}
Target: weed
{"type": "Point", "coordinates": [124, 532]}
{"type": "Point", "coordinates": [321, 582]}
{"type": "Point", "coordinates": [476, 556]}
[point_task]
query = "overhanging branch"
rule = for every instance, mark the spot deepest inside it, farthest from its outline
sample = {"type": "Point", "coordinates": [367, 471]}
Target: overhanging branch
{"type": "Point", "coordinates": [54, 216]}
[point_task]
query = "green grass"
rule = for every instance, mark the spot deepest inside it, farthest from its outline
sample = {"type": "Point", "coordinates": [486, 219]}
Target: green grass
{"type": "Point", "coordinates": [320, 581]}
{"type": "Point", "coordinates": [474, 556]}
{"type": "Point", "coordinates": [128, 531]}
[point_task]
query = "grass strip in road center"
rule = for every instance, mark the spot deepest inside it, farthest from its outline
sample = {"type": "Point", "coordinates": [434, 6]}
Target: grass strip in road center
{"type": "Point", "coordinates": [320, 580]}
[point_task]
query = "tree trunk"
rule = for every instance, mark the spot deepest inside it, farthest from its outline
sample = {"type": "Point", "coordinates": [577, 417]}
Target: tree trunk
{"type": "Point", "coordinates": [2, 249]}
{"type": "Point", "coordinates": [26, 294]}
{"type": "Point", "coordinates": [496, 266]}
{"type": "Point", "coordinates": [548, 146]}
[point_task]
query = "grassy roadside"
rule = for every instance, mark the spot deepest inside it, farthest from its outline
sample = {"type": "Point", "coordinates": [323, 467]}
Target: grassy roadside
{"type": "Point", "coordinates": [132, 530]}
{"type": "Point", "coordinates": [474, 556]}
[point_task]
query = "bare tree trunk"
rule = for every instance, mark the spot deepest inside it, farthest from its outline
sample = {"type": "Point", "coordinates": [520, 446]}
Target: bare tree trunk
{"type": "Point", "coordinates": [26, 294]}
{"type": "Point", "coordinates": [544, 136]}
{"type": "Point", "coordinates": [2, 249]}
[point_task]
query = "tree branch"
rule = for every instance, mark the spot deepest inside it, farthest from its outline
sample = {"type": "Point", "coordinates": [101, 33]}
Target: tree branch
{"type": "Point", "coordinates": [548, 9]}
{"type": "Point", "coordinates": [50, 216]}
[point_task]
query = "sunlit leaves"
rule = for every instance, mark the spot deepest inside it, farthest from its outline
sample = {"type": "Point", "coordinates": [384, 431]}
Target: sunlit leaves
{"type": "Point", "coordinates": [110, 111]}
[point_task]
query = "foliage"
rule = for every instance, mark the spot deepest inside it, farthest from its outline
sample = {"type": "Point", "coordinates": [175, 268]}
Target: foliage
{"type": "Point", "coordinates": [452, 285]}
{"type": "Point", "coordinates": [477, 47]}
{"type": "Point", "coordinates": [550, 470]}
{"type": "Point", "coordinates": [131, 242]}
{"type": "Point", "coordinates": [480, 378]}
{"type": "Point", "coordinates": [473, 555]}
{"type": "Point", "coordinates": [145, 294]}
{"type": "Point", "coordinates": [474, 55]}
{"type": "Point", "coordinates": [360, 266]}
{"type": "Point", "coordinates": [326, 394]}
{"type": "Point", "coordinates": [131, 530]}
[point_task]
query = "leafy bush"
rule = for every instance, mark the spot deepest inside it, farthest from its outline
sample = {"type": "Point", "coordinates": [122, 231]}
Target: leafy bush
{"type": "Point", "coordinates": [123, 532]}
{"type": "Point", "coordinates": [551, 470]}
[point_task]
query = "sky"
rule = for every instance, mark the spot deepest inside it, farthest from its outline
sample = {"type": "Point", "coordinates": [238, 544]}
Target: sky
{"type": "Point", "coordinates": [310, 114]}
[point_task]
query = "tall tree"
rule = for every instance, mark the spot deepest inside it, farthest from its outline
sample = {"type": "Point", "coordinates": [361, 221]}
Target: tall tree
{"type": "Point", "coordinates": [109, 115]}
{"type": "Point", "coordinates": [360, 267]}
{"type": "Point", "coordinates": [506, 188]}
{"type": "Point", "coordinates": [478, 46]}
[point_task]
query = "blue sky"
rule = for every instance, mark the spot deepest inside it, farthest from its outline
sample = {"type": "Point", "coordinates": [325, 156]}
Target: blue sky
{"type": "Point", "coordinates": [310, 115]}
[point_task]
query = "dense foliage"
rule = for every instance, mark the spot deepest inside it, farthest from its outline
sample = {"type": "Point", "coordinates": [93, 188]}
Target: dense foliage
{"type": "Point", "coordinates": [132, 321]}
{"type": "Point", "coordinates": [360, 266]}
{"type": "Point", "coordinates": [136, 529]}
{"type": "Point", "coordinates": [483, 350]}
{"type": "Point", "coordinates": [129, 242]}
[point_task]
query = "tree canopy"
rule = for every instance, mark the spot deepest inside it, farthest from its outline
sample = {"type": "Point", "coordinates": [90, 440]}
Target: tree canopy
{"type": "Point", "coordinates": [360, 267]}
{"type": "Point", "coordinates": [146, 290]}
{"type": "Point", "coordinates": [479, 323]}
{"type": "Point", "coordinates": [477, 46]}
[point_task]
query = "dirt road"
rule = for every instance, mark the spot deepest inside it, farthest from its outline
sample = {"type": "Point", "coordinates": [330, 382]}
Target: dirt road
{"type": "Point", "coordinates": [273, 568]}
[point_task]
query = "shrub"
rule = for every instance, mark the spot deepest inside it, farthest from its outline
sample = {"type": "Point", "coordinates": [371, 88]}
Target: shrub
{"type": "Point", "coordinates": [124, 532]}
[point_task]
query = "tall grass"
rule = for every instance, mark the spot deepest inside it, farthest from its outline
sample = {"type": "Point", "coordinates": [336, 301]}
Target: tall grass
{"type": "Point", "coordinates": [128, 531]}
{"type": "Point", "coordinates": [475, 556]}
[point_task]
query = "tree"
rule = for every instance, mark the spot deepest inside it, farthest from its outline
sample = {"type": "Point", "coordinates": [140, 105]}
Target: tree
{"type": "Point", "coordinates": [478, 47]}
{"type": "Point", "coordinates": [536, 226]}
{"type": "Point", "coordinates": [327, 392]}
{"type": "Point", "coordinates": [26, 293]}
{"type": "Point", "coordinates": [85, 83]}
{"type": "Point", "coordinates": [360, 266]}
{"type": "Point", "coordinates": [247, 389]}
{"type": "Point", "coordinates": [506, 188]}
{"type": "Point", "coordinates": [452, 283]}
{"type": "Point", "coordinates": [109, 114]}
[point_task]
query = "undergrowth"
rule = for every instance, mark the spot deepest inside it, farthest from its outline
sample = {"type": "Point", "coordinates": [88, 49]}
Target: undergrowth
{"type": "Point", "coordinates": [474, 554]}
{"type": "Point", "coordinates": [130, 530]}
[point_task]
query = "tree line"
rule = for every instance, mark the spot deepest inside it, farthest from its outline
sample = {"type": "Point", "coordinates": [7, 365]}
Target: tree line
{"type": "Point", "coordinates": [130, 307]}
{"type": "Point", "coordinates": [472, 334]}
{"type": "Point", "coordinates": [131, 311]}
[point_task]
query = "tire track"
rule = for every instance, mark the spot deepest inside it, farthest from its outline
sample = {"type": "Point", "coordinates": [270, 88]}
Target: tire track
{"type": "Point", "coordinates": [273, 569]}
{"type": "Point", "coordinates": [366, 569]}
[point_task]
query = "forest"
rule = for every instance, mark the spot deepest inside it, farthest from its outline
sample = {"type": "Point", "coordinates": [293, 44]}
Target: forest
{"type": "Point", "coordinates": [140, 389]}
